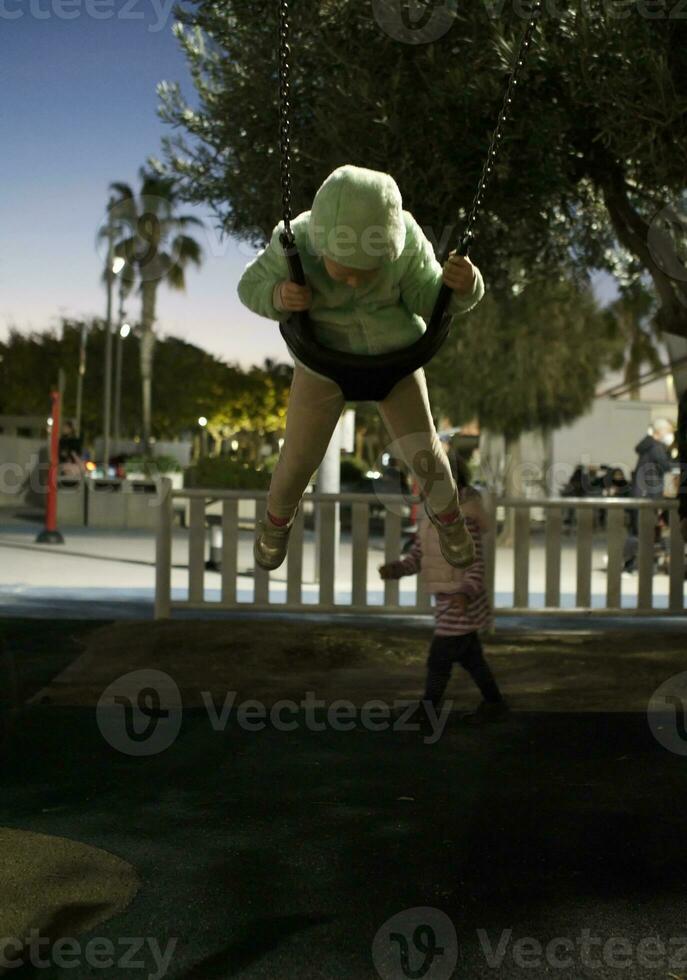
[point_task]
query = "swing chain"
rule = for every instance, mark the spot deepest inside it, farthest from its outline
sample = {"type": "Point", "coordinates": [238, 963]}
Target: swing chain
{"type": "Point", "coordinates": [285, 123]}
{"type": "Point", "coordinates": [284, 120]}
{"type": "Point", "coordinates": [497, 134]}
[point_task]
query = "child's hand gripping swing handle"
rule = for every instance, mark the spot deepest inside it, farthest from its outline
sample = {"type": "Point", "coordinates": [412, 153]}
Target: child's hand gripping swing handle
{"type": "Point", "coordinates": [295, 294]}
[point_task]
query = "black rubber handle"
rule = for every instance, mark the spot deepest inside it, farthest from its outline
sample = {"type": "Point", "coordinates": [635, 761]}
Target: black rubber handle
{"type": "Point", "coordinates": [293, 258]}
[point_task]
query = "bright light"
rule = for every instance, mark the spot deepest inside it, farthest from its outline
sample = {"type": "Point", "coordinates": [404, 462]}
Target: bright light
{"type": "Point", "coordinates": [280, 443]}
{"type": "Point", "coordinates": [49, 421]}
{"type": "Point", "coordinates": [202, 421]}
{"type": "Point", "coordinates": [385, 459]}
{"type": "Point", "coordinates": [373, 474]}
{"type": "Point", "coordinates": [118, 265]}
{"type": "Point", "coordinates": [234, 444]}
{"type": "Point", "coordinates": [90, 466]}
{"type": "Point", "coordinates": [124, 330]}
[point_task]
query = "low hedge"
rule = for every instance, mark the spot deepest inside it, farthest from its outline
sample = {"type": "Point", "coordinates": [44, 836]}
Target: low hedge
{"type": "Point", "coordinates": [226, 473]}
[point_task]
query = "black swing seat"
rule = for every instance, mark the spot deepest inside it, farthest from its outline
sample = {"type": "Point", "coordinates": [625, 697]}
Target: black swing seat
{"type": "Point", "coordinates": [362, 377]}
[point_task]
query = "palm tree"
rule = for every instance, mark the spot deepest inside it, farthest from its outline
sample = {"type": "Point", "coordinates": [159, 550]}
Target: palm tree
{"type": "Point", "coordinates": [633, 313]}
{"type": "Point", "coordinates": [155, 249]}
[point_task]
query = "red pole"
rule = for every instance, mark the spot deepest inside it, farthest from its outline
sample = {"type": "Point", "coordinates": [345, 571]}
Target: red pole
{"type": "Point", "coordinates": [50, 534]}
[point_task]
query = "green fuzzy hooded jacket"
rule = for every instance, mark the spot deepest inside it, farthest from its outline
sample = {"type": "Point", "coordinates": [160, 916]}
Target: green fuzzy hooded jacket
{"type": "Point", "coordinates": [357, 219]}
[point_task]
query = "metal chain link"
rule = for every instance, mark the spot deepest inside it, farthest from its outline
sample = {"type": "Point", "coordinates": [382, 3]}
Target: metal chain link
{"type": "Point", "coordinates": [497, 134]}
{"type": "Point", "coordinates": [284, 118]}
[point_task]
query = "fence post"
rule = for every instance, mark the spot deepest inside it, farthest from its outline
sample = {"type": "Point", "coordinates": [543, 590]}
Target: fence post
{"type": "Point", "coordinates": [521, 558]}
{"type": "Point", "coordinates": [489, 551]}
{"type": "Point", "coordinates": [677, 564]}
{"type": "Point", "coordinates": [163, 551]}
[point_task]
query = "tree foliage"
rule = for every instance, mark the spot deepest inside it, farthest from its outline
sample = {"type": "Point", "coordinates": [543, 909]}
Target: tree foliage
{"type": "Point", "coordinates": [525, 362]}
{"type": "Point", "coordinates": [635, 314]}
{"type": "Point", "coordinates": [188, 382]}
{"type": "Point", "coordinates": [596, 147]}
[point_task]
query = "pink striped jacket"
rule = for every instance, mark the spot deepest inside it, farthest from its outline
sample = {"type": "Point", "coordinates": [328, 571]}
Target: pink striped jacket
{"type": "Point", "coordinates": [445, 581]}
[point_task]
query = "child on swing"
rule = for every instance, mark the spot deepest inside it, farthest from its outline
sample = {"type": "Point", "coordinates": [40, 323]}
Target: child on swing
{"type": "Point", "coordinates": [372, 282]}
{"type": "Point", "coordinates": [462, 608]}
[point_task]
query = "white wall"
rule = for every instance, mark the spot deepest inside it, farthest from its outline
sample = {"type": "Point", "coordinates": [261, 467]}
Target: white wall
{"type": "Point", "coordinates": [18, 463]}
{"type": "Point", "coordinates": [608, 433]}
{"type": "Point", "coordinates": [15, 450]}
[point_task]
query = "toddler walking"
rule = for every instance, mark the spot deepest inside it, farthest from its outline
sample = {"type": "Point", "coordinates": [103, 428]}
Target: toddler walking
{"type": "Point", "coordinates": [462, 606]}
{"type": "Point", "coordinates": [372, 282]}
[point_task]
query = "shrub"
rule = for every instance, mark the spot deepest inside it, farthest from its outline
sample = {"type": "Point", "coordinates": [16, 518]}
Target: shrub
{"type": "Point", "coordinates": [152, 466]}
{"type": "Point", "coordinates": [225, 473]}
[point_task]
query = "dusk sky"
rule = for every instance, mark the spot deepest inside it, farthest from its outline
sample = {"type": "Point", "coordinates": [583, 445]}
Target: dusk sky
{"type": "Point", "coordinates": [78, 112]}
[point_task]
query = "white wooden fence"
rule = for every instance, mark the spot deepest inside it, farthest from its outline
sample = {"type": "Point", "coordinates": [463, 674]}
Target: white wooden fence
{"type": "Point", "coordinates": [362, 578]}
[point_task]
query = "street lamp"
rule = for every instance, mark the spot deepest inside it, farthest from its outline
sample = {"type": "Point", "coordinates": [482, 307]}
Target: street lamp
{"type": "Point", "coordinates": [122, 334]}
{"type": "Point", "coordinates": [80, 377]}
{"type": "Point", "coordinates": [202, 422]}
{"type": "Point", "coordinates": [112, 265]}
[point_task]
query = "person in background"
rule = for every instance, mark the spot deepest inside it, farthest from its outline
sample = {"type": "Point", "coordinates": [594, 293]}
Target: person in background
{"type": "Point", "coordinates": [681, 438]}
{"type": "Point", "coordinates": [599, 483]}
{"type": "Point", "coordinates": [462, 607]}
{"type": "Point", "coordinates": [648, 479]}
{"type": "Point", "coordinates": [616, 485]}
{"type": "Point", "coordinates": [577, 486]}
{"type": "Point", "coordinates": [69, 451]}
{"type": "Point", "coordinates": [600, 480]}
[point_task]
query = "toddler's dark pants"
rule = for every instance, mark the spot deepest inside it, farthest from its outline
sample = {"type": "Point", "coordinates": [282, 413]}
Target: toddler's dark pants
{"type": "Point", "coordinates": [466, 650]}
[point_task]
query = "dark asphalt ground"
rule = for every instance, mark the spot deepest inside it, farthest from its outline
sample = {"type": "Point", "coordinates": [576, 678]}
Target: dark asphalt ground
{"type": "Point", "coordinates": [281, 854]}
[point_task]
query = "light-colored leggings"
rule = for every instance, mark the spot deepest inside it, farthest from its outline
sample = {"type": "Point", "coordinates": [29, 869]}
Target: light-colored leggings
{"type": "Point", "coordinates": [314, 408]}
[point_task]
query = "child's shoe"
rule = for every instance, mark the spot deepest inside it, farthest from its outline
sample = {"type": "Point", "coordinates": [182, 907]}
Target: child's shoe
{"type": "Point", "coordinates": [455, 541]}
{"type": "Point", "coordinates": [271, 543]}
{"type": "Point", "coordinates": [487, 711]}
